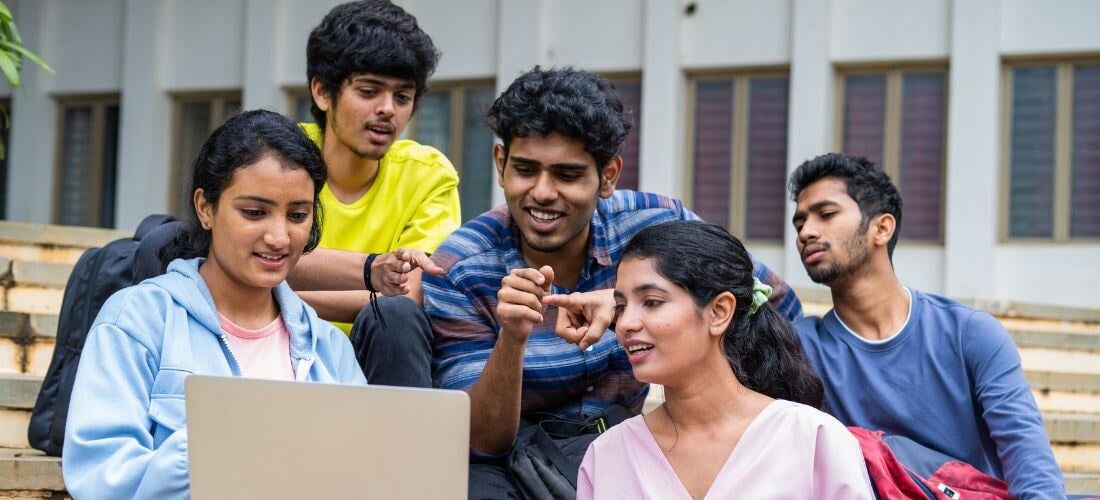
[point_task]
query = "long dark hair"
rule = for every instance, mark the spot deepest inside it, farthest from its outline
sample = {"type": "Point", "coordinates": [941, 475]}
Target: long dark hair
{"type": "Point", "coordinates": [763, 348]}
{"type": "Point", "coordinates": [242, 141]}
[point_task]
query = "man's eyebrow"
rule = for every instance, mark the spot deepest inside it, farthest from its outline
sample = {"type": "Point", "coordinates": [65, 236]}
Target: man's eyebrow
{"type": "Point", "coordinates": [569, 166]}
{"type": "Point", "coordinates": [520, 159]}
{"type": "Point", "coordinates": [801, 214]}
{"type": "Point", "coordinates": [822, 204]}
{"type": "Point", "coordinates": [405, 84]}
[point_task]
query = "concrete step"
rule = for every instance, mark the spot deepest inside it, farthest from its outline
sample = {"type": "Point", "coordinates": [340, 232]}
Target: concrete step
{"type": "Point", "coordinates": [17, 396]}
{"type": "Point", "coordinates": [1073, 429]}
{"type": "Point", "coordinates": [34, 299]}
{"type": "Point", "coordinates": [1082, 483]}
{"type": "Point", "coordinates": [30, 474]}
{"type": "Point", "coordinates": [26, 342]}
{"type": "Point", "coordinates": [51, 243]}
{"type": "Point", "coordinates": [1060, 360]}
{"type": "Point", "coordinates": [40, 274]}
{"type": "Point", "coordinates": [1056, 381]}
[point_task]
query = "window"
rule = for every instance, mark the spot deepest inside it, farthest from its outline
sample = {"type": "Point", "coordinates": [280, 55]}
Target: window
{"type": "Point", "coordinates": [630, 92]}
{"type": "Point", "coordinates": [739, 153]}
{"type": "Point", "coordinates": [451, 118]}
{"type": "Point", "coordinates": [87, 161]}
{"type": "Point", "coordinates": [1052, 153]}
{"type": "Point", "coordinates": [897, 118]}
{"type": "Point", "coordinates": [196, 116]}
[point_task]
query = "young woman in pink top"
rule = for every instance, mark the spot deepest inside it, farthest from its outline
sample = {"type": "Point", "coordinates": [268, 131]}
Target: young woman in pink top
{"type": "Point", "coordinates": [741, 415]}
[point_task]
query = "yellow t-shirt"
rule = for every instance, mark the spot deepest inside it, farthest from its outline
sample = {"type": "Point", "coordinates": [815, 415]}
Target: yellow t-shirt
{"type": "Point", "coordinates": [413, 203]}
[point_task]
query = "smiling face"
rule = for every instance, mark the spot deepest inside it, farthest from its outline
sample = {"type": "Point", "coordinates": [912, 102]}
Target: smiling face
{"type": "Point", "coordinates": [833, 238]}
{"type": "Point", "coordinates": [260, 225]}
{"type": "Point", "coordinates": [368, 113]}
{"type": "Point", "coordinates": [665, 333]}
{"type": "Point", "coordinates": [552, 187]}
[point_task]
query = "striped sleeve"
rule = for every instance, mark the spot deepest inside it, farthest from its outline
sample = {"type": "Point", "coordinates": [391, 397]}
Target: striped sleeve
{"type": "Point", "coordinates": [464, 334]}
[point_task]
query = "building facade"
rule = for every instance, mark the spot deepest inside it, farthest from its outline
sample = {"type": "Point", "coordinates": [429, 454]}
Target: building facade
{"type": "Point", "coordinates": [985, 112]}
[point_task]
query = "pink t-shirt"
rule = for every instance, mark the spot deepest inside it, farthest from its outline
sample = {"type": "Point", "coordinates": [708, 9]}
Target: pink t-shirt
{"type": "Point", "coordinates": [263, 353]}
{"type": "Point", "coordinates": [788, 451]}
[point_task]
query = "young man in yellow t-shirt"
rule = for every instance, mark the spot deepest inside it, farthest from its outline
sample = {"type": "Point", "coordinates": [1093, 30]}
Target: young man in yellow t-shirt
{"type": "Point", "coordinates": [388, 203]}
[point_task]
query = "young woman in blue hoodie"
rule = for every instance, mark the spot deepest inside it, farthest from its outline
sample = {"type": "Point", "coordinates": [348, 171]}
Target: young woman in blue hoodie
{"type": "Point", "coordinates": [223, 308]}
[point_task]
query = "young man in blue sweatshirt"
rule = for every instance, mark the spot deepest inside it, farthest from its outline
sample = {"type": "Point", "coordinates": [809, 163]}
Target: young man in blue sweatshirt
{"type": "Point", "coordinates": [902, 361]}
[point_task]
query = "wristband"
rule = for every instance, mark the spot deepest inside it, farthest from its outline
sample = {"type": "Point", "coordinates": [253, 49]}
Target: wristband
{"type": "Point", "coordinates": [366, 273]}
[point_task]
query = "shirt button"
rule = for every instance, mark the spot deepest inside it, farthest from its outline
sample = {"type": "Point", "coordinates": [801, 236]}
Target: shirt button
{"type": "Point", "coordinates": [590, 388]}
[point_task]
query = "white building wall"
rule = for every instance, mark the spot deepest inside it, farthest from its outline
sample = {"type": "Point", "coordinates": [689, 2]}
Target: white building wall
{"type": "Point", "coordinates": [736, 33]}
{"type": "Point", "coordinates": [888, 30]}
{"type": "Point", "coordinates": [149, 50]}
{"type": "Point", "coordinates": [203, 44]}
{"type": "Point", "coordinates": [86, 47]}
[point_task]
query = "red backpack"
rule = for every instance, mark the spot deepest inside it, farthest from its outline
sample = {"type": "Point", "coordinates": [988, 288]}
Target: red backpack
{"type": "Point", "coordinates": [901, 468]}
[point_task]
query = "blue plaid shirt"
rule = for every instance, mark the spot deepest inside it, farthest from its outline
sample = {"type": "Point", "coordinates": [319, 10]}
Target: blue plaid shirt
{"type": "Point", "coordinates": [558, 377]}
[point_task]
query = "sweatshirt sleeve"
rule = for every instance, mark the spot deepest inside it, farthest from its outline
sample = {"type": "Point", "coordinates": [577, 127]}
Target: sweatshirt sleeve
{"type": "Point", "coordinates": [1010, 411]}
{"type": "Point", "coordinates": [109, 447]}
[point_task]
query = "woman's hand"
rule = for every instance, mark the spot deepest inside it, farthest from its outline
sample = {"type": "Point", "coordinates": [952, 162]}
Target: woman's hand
{"type": "Point", "coordinates": [586, 315]}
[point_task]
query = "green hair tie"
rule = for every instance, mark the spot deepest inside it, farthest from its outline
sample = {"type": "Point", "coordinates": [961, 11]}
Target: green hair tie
{"type": "Point", "coordinates": [760, 294]}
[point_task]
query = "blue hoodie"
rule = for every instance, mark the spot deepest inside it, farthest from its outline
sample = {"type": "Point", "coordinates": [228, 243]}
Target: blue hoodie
{"type": "Point", "coordinates": [126, 436]}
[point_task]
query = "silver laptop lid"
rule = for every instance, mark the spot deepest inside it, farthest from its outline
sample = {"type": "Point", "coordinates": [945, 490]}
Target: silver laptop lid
{"type": "Point", "coordinates": [251, 438]}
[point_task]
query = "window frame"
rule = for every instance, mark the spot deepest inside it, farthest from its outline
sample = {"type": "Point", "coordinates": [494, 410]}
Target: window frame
{"type": "Point", "coordinates": [216, 99]}
{"type": "Point", "coordinates": [739, 151]}
{"type": "Point", "coordinates": [631, 78]}
{"type": "Point", "coordinates": [1063, 147]}
{"type": "Point", "coordinates": [455, 129]}
{"type": "Point", "coordinates": [6, 105]}
{"type": "Point", "coordinates": [292, 93]}
{"type": "Point", "coordinates": [892, 123]}
{"type": "Point", "coordinates": [99, 103]}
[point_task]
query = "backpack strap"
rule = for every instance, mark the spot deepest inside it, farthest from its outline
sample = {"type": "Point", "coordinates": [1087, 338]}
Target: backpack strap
{"type": "Point", "coordinates": [566, 467]}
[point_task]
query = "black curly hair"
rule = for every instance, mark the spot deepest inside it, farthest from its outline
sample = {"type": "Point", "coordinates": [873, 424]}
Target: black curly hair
{"type": "Point", "coordinates": [571, 102]}
{"type": "Point", "coordinates": [368, 36]}
{"type": "Point", "coordinates": [867, 184]}
{"type": "Point", "coordinates": [705, 260]}
{"type": "Point", "coordinates": [242, 141]}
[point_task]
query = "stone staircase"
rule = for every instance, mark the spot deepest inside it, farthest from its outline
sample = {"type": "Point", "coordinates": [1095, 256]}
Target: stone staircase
{"type": "Point", "coordinates": [35, 262]}
{"type": "Point", "coordinates": [1060, 350]}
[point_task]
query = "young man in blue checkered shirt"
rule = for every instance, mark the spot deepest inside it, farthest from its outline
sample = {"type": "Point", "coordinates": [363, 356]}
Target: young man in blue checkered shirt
{"type": "Point", "coordinates": [500, 334]}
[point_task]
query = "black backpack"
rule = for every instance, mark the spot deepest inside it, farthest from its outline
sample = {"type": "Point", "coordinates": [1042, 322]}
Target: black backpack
{"type": "Point", "coordinates": [98, 273]}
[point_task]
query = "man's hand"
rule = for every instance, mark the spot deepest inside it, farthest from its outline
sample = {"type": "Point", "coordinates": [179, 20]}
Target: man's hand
{"type": "Point", "coordinates": [519, 301]}
{"type": "Point", "coordinates": [586, 315]}
{"type": "Point", "coordinates": [389, 273]}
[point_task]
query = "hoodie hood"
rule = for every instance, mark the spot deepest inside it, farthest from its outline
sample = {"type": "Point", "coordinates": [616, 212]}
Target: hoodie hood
{"type": "Point", "coordinates": [188, 289]}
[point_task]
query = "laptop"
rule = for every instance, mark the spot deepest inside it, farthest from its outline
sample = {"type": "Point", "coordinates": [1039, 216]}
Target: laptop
{"type": "Point", "coordinates": [250, 438]}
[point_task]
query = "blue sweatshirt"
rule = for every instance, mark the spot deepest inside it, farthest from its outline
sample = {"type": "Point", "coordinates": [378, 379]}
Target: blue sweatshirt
{"type": "Point", "coordinates": [126, 436]}
{"type": "Point", "coordinates": [950, 380]}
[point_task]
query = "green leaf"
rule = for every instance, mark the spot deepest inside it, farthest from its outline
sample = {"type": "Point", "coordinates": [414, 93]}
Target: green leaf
{"type": "Point", "coordinates": [30, 55]}
{"type": "Point", "coordinates": [5, 14]}
{"type": "Point", "coordinates": [10, 69]}
{"type": "Point", "coordinates": [15, 33]}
